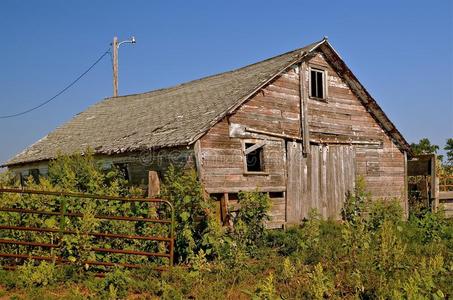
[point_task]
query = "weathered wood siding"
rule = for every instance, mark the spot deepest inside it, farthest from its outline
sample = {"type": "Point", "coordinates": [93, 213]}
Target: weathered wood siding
{"type": "Point", "coordinates": [140, 163]}
{"type": "Point", "coordinates": [275, 109]}
{"type": "Point", "coordinates": [319, 180]}
{"type": "Point", "coordinates": [327, 173]}
{"type": "Point", "coordinates": [344, 116]}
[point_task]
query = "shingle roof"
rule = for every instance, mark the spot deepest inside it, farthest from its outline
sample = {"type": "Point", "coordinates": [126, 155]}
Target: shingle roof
{"type": "Point", "coordinates": [161, 118]}
{"type": "Point", "coordinates": [168, 117]}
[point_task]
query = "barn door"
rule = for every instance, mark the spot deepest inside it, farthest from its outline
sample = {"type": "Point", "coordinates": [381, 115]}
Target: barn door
{"type": "Point", "coordinates": [294, 186]}
{"type": "Point", "coordinates": [320, 180]}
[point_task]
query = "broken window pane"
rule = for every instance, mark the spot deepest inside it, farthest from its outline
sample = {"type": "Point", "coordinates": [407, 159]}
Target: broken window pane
{"type": "Point", "coordinates": [254, 159]}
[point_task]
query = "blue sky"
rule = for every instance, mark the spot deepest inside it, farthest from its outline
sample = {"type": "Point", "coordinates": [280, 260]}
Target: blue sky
{"type": "Point", "coordinates": [400, 50]}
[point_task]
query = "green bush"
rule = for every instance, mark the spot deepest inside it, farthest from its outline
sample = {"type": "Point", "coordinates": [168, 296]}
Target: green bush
{"type": "Point", "coordinates": [430, 226]}
{"type": "Point", "coordinates": [249, 223]}
{"type": "Point", "coordinates": [354, 208]}
{"type": "Point", "coordinates": [197, 227]}
{"type": "Point", "coordinates": [194, 213]}
{"type": "Point", "coordinates": [33, 274]}
{"type": "Point", "coordinates": [372, 254]}
{"type": "Point", "coordinates": [380, 211]}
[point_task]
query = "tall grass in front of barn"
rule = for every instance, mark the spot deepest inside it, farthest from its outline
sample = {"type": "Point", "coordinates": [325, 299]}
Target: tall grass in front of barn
{"type": "Point", "coordinates": [371, 254]}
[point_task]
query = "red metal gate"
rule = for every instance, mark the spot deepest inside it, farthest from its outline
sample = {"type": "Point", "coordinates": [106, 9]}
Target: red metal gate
{"type": "Point", "coordinates": [22, 248]}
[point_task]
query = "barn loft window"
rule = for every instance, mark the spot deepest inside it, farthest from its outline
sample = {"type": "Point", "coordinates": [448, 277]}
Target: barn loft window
{"type": "Point", "coordinates": [317, 83]}
{"type": "Point", "coordinates": [254, 157]}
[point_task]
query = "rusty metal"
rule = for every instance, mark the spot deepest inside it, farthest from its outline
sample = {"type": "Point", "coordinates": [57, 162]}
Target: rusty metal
{"type": "Point", "coordinates": [133, 252]}
{"type": "Point", "coordinates": [106, 235]}
{"type": "Point", "coordinates": [61, 260]}
{"type": "Point", "coordinates": [102, 217]}
{"type": "Point", "coordinates": [169, 253]}
{"type": "Point", "coordinates": [24, 243]}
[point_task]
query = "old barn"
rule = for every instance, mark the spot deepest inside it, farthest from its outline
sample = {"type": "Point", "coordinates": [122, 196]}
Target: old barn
{"type": "Point", "coordinates": [299, 126]}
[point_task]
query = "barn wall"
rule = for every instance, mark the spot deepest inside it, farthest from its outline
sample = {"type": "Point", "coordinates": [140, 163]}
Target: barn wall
{"type": "Point", "coordinates": [23, 171]}
{"type": "Point", "coordinates": [276, 109]}
{"type": "Point", "coordinates": [138, 163]}
{"type": "Point", "coordinates": [345, 116]}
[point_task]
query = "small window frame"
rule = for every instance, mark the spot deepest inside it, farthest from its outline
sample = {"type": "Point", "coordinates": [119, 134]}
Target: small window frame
{"type": "Point", "coordinates": [323, 71]}
{"type": "Point", "coordinates": [35, 173]}
{"type": "Point", "coordinates": [262, 146]}
{"type": "Point", "coordinates": [124, 168]}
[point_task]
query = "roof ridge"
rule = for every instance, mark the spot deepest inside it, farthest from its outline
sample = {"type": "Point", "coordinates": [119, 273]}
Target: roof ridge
{"type": "Point", "coordinates": [182, 84]}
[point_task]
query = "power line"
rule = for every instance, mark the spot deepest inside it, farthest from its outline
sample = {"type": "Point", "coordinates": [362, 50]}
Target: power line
{"type": "Point", "coordinates": [60, 92]}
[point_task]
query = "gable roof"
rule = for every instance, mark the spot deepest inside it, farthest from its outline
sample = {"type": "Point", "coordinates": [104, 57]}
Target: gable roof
{"type": "Point", "coordinates": [168, 117]}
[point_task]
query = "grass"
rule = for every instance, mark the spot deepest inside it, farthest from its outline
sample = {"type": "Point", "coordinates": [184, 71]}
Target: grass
{"type": "Point", "coordinates": [371, 259]}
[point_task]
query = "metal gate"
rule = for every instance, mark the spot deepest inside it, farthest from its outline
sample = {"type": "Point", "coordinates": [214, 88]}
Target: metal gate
{"type": "Point", "coordinates": [23, 248]}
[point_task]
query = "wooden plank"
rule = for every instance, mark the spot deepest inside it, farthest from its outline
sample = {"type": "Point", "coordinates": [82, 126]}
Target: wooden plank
{"type": "Point", "coordinates": [294, 201]}
{"type": "Point", "coordinates": [324, 185]}
{"type": "Point", "coordinates": [153, 184]}
{"type": "Point", "coordinates": [308, 178]}
{"type": "Point", "coordinates": [342, 180]}
{"type": "Point", "coordinates": [434, 183]}
{"type": "Point", "coordinates": [254, 147]}
{"type": "Point", "coordinates": [330, 183]}
{"type": "Point", "coordinates": [445, 195]}
{"type": "Point", "coordinates": [406, 194]}
{"type": "Point", "coordinates": [304, 196]}
{"type": "Point", "coordinates": [303, 94]}
{"type": "Point", "coordinates": [315, 176]}
{"type": "Point", "coordinates": [336, 178]}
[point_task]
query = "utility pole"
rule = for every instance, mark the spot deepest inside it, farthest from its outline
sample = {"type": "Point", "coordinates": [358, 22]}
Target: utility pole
{"type": "Point", "coordinates": [115, 66]}
{"type": "Point", "coordinates": [115, 47]}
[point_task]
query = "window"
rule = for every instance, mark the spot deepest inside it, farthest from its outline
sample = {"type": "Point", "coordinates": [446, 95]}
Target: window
{"type": "Point", "coordinates": [35, 174]}
{"type": "Point", "coordinates": [124, 170]}
{"type": "Point", "coordinates": [23, 178]}
{"type": "Point", "coordinates": [254, 157]}
{"type": "Point", "coordinates": [317, 84]}
{"type": "Point", "coordinates": [276, 195]}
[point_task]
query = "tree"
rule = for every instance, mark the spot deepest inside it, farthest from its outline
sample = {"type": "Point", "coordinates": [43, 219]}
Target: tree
{"type": "Point", "coordinates": [424, 147]}
{"type": "Point", "coordinates": [449, 148]}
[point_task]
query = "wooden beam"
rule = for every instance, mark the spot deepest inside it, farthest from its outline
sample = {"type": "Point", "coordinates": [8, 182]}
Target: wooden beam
{"type": "Point", "coordinates": [406, 188]}
{"type": "Point", "coordinates": [303, 109]}
{"type": "Point", "coordinates": [224, 208]}
{"type": "Point", "coordinates": [254, 147]}
{"type": "Point", "coordinates": [153, 184]}
{"type": "Point", "coordinates": [274, 134]}
{"type": "Point", "coordinates": [434, 183]}
{"type": "Point", "coordinates": [198, 160]}
{"type": "Point", "coordinates": [325, 141]}
{"type": "Point", "coordinates": [344, 142]}
{"type": "Point", "coordinates": [199, 164]}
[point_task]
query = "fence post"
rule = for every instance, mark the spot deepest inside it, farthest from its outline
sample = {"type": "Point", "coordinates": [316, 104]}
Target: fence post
{"type": "Point", "coordinates": [153, 184]}
{"type": "Point", "coordinates": [172, 234]}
